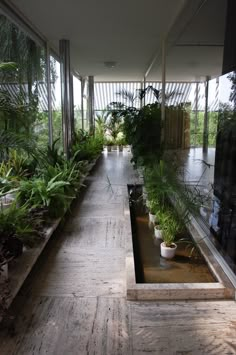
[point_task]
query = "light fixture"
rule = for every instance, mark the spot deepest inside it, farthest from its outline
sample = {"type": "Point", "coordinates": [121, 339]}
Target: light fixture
{"type": "Point", "coordinates": [110, 64]}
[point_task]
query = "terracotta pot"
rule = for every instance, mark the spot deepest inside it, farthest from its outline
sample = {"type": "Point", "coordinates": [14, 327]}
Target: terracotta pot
{"type": "Point", "coordinates": [168, 252]}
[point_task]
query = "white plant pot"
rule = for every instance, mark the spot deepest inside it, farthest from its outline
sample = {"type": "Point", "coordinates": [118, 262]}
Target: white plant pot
{"type": "Point", "coordinates": [152, 218]}
{"type": "Point", "coordinates": [144, 197]}
{"type": "Point", "coordinates": [157, 233]}
{"type": "Point", "coordinates": [168, 252]}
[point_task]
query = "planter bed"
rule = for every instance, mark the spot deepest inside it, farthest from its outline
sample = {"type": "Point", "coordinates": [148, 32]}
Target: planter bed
{"type": "Point", "coordinates": [209, 282]}
{"type": "Point", "coordinates": [19, 268]}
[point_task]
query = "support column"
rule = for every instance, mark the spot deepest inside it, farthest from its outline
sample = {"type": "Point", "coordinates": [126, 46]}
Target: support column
{"type": "Point", "coordinates": [196, 114]}
{"type": "Point", "coordinates": [72, 106]}
{"type": "Point", "coordinates": [163, 96]}
{"type": "Point", "coordinates": [91, 104]}
{"type": "Point", "coordinates": [206, 118]}
{"type": "Point", "coordinates": [66, 95]}
{"type": "Point", "coordinates": [49, 92]}
{"type": "Point", "coordinates": [82, 101]}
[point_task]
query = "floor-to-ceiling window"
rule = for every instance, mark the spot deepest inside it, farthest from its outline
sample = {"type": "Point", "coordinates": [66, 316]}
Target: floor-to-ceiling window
{"type": "Point", "coordinates": [223, 215]}
{"type": "Point", "coordinates": [55, 77]}
{"type": "Point", "coordinates": [77, 103]}
{"type": "Point", "coordinates": [23, 89]}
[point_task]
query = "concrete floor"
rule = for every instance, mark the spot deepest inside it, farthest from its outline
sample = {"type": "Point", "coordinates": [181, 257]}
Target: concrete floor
{"type": "Point", "coordinates": [74, 302]}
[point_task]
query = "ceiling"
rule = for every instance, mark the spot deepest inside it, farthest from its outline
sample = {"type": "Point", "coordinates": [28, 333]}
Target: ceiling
{"type": "Point", "coordinates": [131, 32]}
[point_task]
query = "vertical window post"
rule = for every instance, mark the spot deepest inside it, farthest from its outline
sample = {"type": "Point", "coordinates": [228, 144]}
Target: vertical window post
{"type": "Point", "coordinates": [206, 118]}
{"type": "Point", "coordinates": [49, 92]}
{"type": "Point", "coordinates": [66, 94]}
{"type": "Point", "coordinates": [91, 104]}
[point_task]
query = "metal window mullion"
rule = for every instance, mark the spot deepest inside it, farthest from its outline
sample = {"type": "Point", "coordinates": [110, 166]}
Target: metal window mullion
{"type": "Point", "coordinates": [196, 114]}
{"type": "Point", "coordinates": [82, 103]}
{"type": "Point", "coordinates": [91, 104]}
{"type": "Point", "coordinates": [163, 89]}
{"type": "Point", "coordinates": [206, 118]}
{"type": "Point", "coordinates": [49, 92]}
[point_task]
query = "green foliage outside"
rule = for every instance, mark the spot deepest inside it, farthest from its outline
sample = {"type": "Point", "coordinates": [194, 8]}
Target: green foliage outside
{"type": "Point", "coordinates": [196, 138]}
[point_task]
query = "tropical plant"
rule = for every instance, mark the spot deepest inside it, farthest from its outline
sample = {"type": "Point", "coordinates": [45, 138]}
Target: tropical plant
{"type": "Point", "coordinates": [170, 226]}
{"type": "Point", "coordinates": [163, 181]}
{"type": "Point", "coordinates": [17, 163]}
{"type": "Point", "coordinates": [152, 205]}
{"type": "Point", "coordinates": [100, 122]}
{"type": "Point", "coordinates": [114, 126]}
{"type": "Point", "coordinates": [49, 194]}
{"type": "Point", "coordinates": [70, 171]}
{"type": "Point", "coordinates": [15, 223]}
{"type": "Point", "coordinates": [17, 47]}
{"type": "Point", "coordinates": [85, 146]}
{"type": "Point", "coordinates": [142, 130]}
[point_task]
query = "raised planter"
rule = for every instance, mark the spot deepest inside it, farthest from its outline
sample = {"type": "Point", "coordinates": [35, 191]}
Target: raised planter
{"type": "Point", "coordinates": [19, 268]}
{"type": "Point", "coordinates": [221, 288]}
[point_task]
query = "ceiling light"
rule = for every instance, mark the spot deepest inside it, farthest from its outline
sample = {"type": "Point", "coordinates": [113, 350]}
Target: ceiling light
{"type": "Point", "coordinates": [110, 64]}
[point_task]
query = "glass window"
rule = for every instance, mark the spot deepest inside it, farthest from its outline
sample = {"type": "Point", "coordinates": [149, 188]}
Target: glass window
{"type": "Point", "coordinates": [56, 99]}
{"type": "Point", "coordinates": [23, 85]}
{"type": "Point", "coordinates": [85, 105]}
{"type": "Point", "coordinates": [77, 103]}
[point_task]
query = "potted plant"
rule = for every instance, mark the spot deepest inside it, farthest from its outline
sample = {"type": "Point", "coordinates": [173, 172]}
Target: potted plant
{"type": "Point", "coordinates": [157, 231]}
{"type": "Point", "coordinates": [152, 206]}
{"type": "Point", "coordinates": [120, 141]}
{"type": "Point", "coordinates": [108, 143]}
{"type": "Point", "coordinates": [170, 227]}
{"type": "Point", "coordinates": [145, 194]}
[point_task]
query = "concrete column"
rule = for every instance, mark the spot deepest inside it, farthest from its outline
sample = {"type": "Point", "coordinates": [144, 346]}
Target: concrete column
{"type": "Point", "coordinates": [72, 105]}
{"type": "Point", "coordinates": [66, 94]}
{"type": "Point", "coordinates": [82, 101]}
{"type": "Point", "coordinates": [91, 104]}
{"type": "Point", "coordinates": [206, 118]}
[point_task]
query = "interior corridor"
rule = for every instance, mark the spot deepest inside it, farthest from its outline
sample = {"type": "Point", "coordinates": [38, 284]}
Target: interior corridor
{"type": "Point", "coordinates": [74, 301]}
